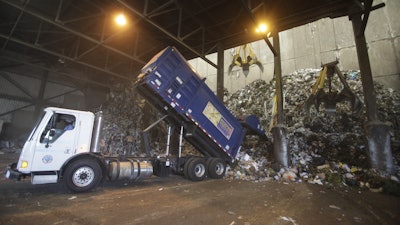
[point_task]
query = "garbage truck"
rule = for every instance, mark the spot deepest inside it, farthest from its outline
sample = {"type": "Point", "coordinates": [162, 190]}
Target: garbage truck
{"type": "Point", "coordinates": [64, 145]}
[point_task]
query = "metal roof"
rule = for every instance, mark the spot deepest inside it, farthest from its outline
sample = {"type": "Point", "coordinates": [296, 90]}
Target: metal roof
{"type": "Point", "coordinates": [76, 40]}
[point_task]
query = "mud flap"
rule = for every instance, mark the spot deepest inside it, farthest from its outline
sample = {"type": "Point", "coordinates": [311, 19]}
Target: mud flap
{"type": "Point", "coordinates": [379, 149]}
{"type": "Point", "coordinates": [280, 144]}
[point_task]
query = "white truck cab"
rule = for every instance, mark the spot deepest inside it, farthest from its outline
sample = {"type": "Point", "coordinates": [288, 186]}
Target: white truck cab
{"type": "Point", "coordinates": [59, 135]}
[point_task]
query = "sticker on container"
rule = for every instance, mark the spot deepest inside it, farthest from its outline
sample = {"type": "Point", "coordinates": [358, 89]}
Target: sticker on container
{"type": "Point", "coordinates": [218, 120]}
{"type": "Point", "coordinates": [179, 80]}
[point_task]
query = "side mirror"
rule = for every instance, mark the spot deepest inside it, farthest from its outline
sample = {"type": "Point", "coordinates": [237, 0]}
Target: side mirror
{"type": "Point", "coordinates": [52, 132]}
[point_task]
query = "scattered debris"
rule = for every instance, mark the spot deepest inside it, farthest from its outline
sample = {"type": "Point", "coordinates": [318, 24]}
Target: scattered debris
{"type": "Point", "coordinates": [334, 207]}
{"type": "Point", "coordinates": [231, 213]}
{"type": "Point", "coordinates": [357, 219]}
{"type": "Point", "coordinates": [289, 219]}
{"type": "Point", "coordinates": [72, 197]}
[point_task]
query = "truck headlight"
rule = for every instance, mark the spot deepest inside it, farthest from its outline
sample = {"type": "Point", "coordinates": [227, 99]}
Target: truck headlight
{"type": "Point", "coordinates": [24, 164]}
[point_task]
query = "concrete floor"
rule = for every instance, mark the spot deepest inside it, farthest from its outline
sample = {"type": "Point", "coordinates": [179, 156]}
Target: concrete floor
{"type": "Point", "coordinates": [175, 200]}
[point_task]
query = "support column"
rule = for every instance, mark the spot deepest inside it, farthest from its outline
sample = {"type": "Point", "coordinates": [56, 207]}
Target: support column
{"type": "Point", "coordinates": [39, 103]}
{"type": "Point", "coordinates": [279, 132]}
{"type": "Point", "coordinates": [220, 72]}
{"type": "Point", "coordinates": [377, 132]}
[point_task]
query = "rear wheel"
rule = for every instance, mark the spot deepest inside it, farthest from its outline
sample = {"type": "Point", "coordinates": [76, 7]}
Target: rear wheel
{"type": "Point", "coordinates": [196, 169]}
{"type": "Point", "coordinates": [82, 175]}
{"type": "Point", "coordinates": [185, 168]}
{"type": "Point", "coordinates": [216, 168]}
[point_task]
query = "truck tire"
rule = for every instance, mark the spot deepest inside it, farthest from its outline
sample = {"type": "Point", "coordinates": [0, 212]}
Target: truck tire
{"type": "Point", "coordinates": [82, 175]}
{"type": "Point", "coordinates": [216, 168]}
{"type": "Point", "coordinates": [185, 168]}
{"type": "Point", "coordinates": [197, 170]}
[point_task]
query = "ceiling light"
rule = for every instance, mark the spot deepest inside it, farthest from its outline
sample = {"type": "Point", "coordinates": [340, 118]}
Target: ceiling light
{"type": "Point", "coordinates": [120, 19]}
{"type": "Point", "coordinates": [262, 28]}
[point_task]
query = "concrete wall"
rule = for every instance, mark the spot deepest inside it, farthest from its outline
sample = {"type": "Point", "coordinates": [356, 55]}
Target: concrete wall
{"type": "Point", "coordinates": [320, 42]}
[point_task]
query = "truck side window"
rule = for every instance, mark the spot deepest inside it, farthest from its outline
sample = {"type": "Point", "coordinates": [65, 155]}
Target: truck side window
{"type": "Point", "coordinates": [56, 126]}
{"type": "Point", "coordinates": [65, 122]}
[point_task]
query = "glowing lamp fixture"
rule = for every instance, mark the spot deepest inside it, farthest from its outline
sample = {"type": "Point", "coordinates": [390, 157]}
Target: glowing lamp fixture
{"type": "Point", "coordinates": [262, 28]}
{"type": "Point", "coordinates": [120, 20]}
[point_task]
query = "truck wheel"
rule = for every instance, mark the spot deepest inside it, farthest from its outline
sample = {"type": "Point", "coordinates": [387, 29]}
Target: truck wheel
{"type": "Point", "coordinates": [185, 168]}
{"type": "Point", "coordinates": [216, 168]}
{"type": "Point", "coordinates": [196, 170]}
{"type": "Point", "coordinates": [82, 175]}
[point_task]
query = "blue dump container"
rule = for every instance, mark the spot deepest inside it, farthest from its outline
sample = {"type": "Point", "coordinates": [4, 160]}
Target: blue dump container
{"type": "Point", "coordinates": [169, 83]}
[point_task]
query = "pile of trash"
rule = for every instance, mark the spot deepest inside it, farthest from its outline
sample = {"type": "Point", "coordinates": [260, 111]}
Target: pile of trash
{"type": "Point", "coordinates": [125, 116]}
{"type": "Point", "coordinates": [325, 148]}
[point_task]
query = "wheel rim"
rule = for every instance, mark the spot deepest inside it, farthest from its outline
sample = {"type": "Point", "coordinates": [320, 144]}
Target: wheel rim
{"type": "Point", "coordinates": [83, 176]}
{"type": "Point", "coordinates": [219, 168]}
{"type": "Point", "coordinates": [199, 170]}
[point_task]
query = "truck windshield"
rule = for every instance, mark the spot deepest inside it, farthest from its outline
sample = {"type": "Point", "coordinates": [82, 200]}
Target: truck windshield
{"type": "Point", "coordinates": [36, 125]}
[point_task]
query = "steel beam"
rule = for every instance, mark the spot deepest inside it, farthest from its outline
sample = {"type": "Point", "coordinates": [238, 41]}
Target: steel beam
{"type": "Point", "coordinates": [15, 98]}
{"type": "Point", "coordinates": [220, 72]}
{"type": "Point", "coordinates": [63, 56]}
{"type": "Point", "coordinates": [16, 84]}
{"type": "Point", "coordinates": [250, 13]}
{"type": "Point", "coordinates": [79, 34]}
{"type": "Point", "coordinates": [55, 71]}
{"type": "Point", "coordinates": [279, 131]}
{"type": "Point", "coordinates": [32, 104]}
{"type": "Point", "coordinates": [377, 132]}
{"type": "Point", "coordinates": [40, 97]}
{"type": "Point", "coordinates": [173, 37]}
{"type": "Point", "coordinates": [15, 24]}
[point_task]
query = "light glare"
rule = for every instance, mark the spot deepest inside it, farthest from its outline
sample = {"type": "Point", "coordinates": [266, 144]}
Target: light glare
{"type": "Point", "coordinates": [120, 20]}
{"type": "Point", "coordinates": [262, 28]}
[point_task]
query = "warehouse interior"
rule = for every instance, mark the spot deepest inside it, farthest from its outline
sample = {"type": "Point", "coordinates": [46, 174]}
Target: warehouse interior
{"type": "Point", "coordinates": [70, 54]}
{"type": "Point", "coordinates": [78, 55]}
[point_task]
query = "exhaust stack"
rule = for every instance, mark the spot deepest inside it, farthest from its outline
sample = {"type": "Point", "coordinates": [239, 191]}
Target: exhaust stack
{"type": "Point", "coordinates": [97, 133]}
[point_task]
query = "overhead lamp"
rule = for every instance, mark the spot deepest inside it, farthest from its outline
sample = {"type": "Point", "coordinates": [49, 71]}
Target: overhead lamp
{"type": "Point", "coordinates": [262, 28]}
{"type": "Point", "coordinates": [120, 20]}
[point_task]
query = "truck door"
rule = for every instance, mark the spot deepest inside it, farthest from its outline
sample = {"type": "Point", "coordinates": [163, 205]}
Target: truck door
{"type": "Point", "coordinates": [57, 142]}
